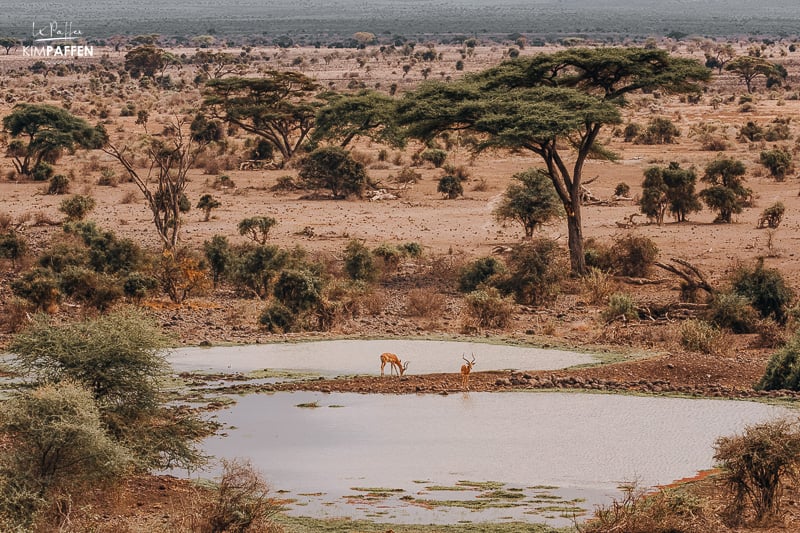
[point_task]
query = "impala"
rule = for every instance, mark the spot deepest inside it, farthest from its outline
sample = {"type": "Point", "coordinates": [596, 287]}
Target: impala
{"type": "Point", "coordinates": [465, 370]}
{"type": "Point", "coordinates": [395, 363]}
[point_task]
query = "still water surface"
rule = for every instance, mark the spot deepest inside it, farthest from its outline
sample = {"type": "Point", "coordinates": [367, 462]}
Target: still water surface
{"type": "Point", "coordinates": [345, 357]}
{"type": "Point", "coordinates": [584, 444]}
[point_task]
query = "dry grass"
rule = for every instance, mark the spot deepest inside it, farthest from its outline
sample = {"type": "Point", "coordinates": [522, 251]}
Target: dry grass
{"type": "Point", "coordinates": [424, 303]}
{"type": "Point", "coordinates": [598, 286]}
{"type": "Point", "coordinates": [373, 302]}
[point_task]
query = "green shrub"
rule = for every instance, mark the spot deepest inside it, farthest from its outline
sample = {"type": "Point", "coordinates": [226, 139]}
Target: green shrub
{"type": "Point", "coordinates": [620, 306]}
{"type": "Point", "coordinates": [411, 249]}
{"type": "Point", "coordinates": [42, 171]}
{"type": "Point", "coordinates": [772, 216]}
{"type": "Point", "coordinates": [63, 254]}
{"type": "Point", "coordinates": [57, 445]}
{"type": "Point", "coordinates": [97, 290]}
{"type": "Point", "coordinates": [488, 309]}
{"type": "Point", "coordinates": [335, 169]}
{"type": "Point", "coordinates": [751, 132]}
{"type": "Point", "coordinates": [137, 285]}
{"type": "Point", "coordinates": [726, 193]}
{"type": "Point", "coordinates": [13, 246]}
{"type": "Point", "coordinates": [77, 206]}
{"type": "Point", "coordinates": [631, 132]}
{"type": "Point", "coordinates": [783, 368]}
{"type": "Point", "coordinates": [255, 268]}
{"type": "Point", "coordinates": [257, 228]}
{"type": "Point", "coordinates": [633, 255]}
{"type": "Point", "coordinates": [734, 312]}
{"type": "Point", "coordinates": [660, 130]}
{"type": "Point", "coordinates": [450, 187]}
{"type": "Point", "coordinates": [107, 253]}
{"type": "Point", "coordinates": [298, 290]}
{"type": "Point", "coordinates": [778, 162]}
{"type": "Point", "coordinates": [597, 255]}
{"type": "Point", "coordinates": [434, 156]}
{"type": "Point", "coordinates": [699, 336]}
{"type": "Point", "coordinates": [119, 357]}
{"type": "Point", "coordinates": [40, 287]}
{"type": "Point", "coordinates": [358, 262]}
{"type": "Point", "coordinates": [479, 271]}
{"type": "Point", "coordinates": [622, 189]}
{"type": "Point", "coordinates": [530, 200]}
{"type": "Point", "coordinates": [535, 272]}
{"type": "Point", "coordinates": [389, 255]}
{"type": "Point", "coordinates": [59, 184]}
{"type": "Point", "coordinates": [217, 252]}
{"type": "Point", "coordinates": [207, 203]}
{"type": "Point", "coordinates": [766, 290]}
{"type": "Point", "coordinates": [277, 318]}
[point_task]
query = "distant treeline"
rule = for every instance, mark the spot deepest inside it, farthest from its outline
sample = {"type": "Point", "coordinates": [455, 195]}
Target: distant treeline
{"type": "Point", "coordinates": [312, 22]}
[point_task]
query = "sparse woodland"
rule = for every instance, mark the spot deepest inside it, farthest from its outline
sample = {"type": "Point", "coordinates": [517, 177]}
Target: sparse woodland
{"type": "Point", "coordinates": [638, 198]}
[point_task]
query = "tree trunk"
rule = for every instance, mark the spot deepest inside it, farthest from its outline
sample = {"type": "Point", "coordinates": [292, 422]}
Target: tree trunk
{"type": "Point", "coordinates": [577, 258]}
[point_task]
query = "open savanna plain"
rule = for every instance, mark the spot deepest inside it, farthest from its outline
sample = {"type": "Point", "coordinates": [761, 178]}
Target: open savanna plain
{"type": "Point", "coordinates": [419, 297]}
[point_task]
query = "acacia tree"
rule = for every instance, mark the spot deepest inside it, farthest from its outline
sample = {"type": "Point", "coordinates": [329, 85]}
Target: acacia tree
{"type": "Point", "coordinates": [280, 107]}
{"type": "Point", "coordinates": [367, 113]}
{"type": "Point", "coordinates": [727, 193]}
{"type": "Point", "coordinates": [148, 60]}
{"type": "Point", "coordinates": [718, 55]}
{"type": "Point", "coordinates": [654, 201]}
{"type": "Point", "coordinates": [49, 131]}
{"type": "Point", "coordinates": [671, 187]}
{"type": "Point", "coordinates": [216, 65]}
{"type": "Point", "coordinates": [164, 185]}
{"type": "Point", "coordinates": [8, 43]}
{"type": "Point", "coordinates": [531, 201]}
{"type": "Point", "coordinates": [333, 168]}
{"type": "Point", "coordinates": [257, 228]}
{"type": "Point", "coordinates": [551, 105]}
{"type": "Point", "coordinates": [749, 68]}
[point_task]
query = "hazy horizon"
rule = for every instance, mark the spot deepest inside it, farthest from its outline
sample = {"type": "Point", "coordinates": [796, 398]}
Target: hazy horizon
{"type": "Point", "coordinates": [343, 17]}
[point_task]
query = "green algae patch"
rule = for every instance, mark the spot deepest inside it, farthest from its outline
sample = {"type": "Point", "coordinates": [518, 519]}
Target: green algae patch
{"type": "Point", "coordinates": [293, 524]}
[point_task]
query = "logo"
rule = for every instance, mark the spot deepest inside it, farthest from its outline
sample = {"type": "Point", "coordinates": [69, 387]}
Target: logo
{"type": "Point", "coordinates": [56, 39]}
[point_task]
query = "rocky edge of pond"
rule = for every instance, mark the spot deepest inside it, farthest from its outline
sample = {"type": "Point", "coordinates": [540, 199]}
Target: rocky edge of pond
{"type": "Point", "coordinates": [495, 381]}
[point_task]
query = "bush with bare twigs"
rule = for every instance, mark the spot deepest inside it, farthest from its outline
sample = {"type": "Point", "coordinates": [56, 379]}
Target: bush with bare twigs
{"type": "Point", "coordinates": [755, 466]}
{"type": "Point", "coordinates": [667, 511]}
{"type": "Point", "coordinates": [241, 502]}
{"type": "Point", "coordinates": [424, 303]}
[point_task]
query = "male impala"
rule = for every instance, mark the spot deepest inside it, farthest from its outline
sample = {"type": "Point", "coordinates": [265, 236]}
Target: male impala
{"type": "Point", "coordinates": [465, 370]}
{"type": "Point", "coordinates": [394, 363]}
